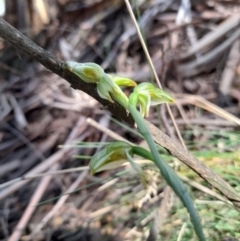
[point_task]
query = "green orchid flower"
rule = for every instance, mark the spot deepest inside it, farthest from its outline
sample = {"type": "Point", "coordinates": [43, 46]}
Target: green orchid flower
{"type": "Point", "coordinates": [111, 156]}
{"type": "Point", "coordinates": [109, 90]}
{"type": "Point", "coordinates": [146, 95]}
{"type": "Point", "coordinates": [114, 155]}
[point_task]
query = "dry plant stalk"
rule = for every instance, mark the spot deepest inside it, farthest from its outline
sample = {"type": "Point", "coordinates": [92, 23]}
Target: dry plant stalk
{"type": "Point", "coordinates": [161, 214]}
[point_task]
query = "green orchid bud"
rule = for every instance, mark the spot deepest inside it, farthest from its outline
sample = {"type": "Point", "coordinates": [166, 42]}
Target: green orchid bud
{"type": "Point", "coordinates": [146, 94]}
{"type": "Point", "coordinates": [88, 72]}
{"type": "Point", "coordinates": [122, 81]}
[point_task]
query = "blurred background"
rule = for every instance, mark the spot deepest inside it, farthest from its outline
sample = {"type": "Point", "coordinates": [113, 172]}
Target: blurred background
{"type": "Point", "coordinates": [45, 125]}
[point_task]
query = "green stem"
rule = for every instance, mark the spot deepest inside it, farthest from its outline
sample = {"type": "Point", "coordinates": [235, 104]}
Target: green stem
{"type": "Point", "coordinates": [137, 150]}
{"type": "Point", "coordinates": [168, 173]}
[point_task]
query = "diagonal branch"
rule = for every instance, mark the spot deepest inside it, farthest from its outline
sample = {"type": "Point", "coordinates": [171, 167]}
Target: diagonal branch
{"type": "Point", "coordinates": [57, 66]}
{"type": "Point", "coordinates": [191, 161]}
{"type": "Point", "coordinates": [18, 40]}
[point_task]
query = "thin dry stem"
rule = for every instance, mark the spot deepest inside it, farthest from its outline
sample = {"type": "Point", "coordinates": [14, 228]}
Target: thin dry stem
{"type": "Point", "coordinates": [31, 207]}
{"type": "Point", "coordinates": [153, 68]}
{"type": "Point", "coordinates": [58, 205]}
{"type": "Point", "coordinates": [161, 213]}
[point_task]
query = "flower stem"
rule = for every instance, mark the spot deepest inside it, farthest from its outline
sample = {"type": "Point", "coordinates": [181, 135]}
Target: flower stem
{"type": "Point", "coordinates": [167, 172]}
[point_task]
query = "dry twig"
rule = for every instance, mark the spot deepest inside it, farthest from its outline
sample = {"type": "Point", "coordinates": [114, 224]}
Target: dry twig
{"type": "Point", "coordinates": [222, 29]}
{"type": "Point", "coordinates": [229, 71]}
{"type": "Point", "coordinates": [161, 213]}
